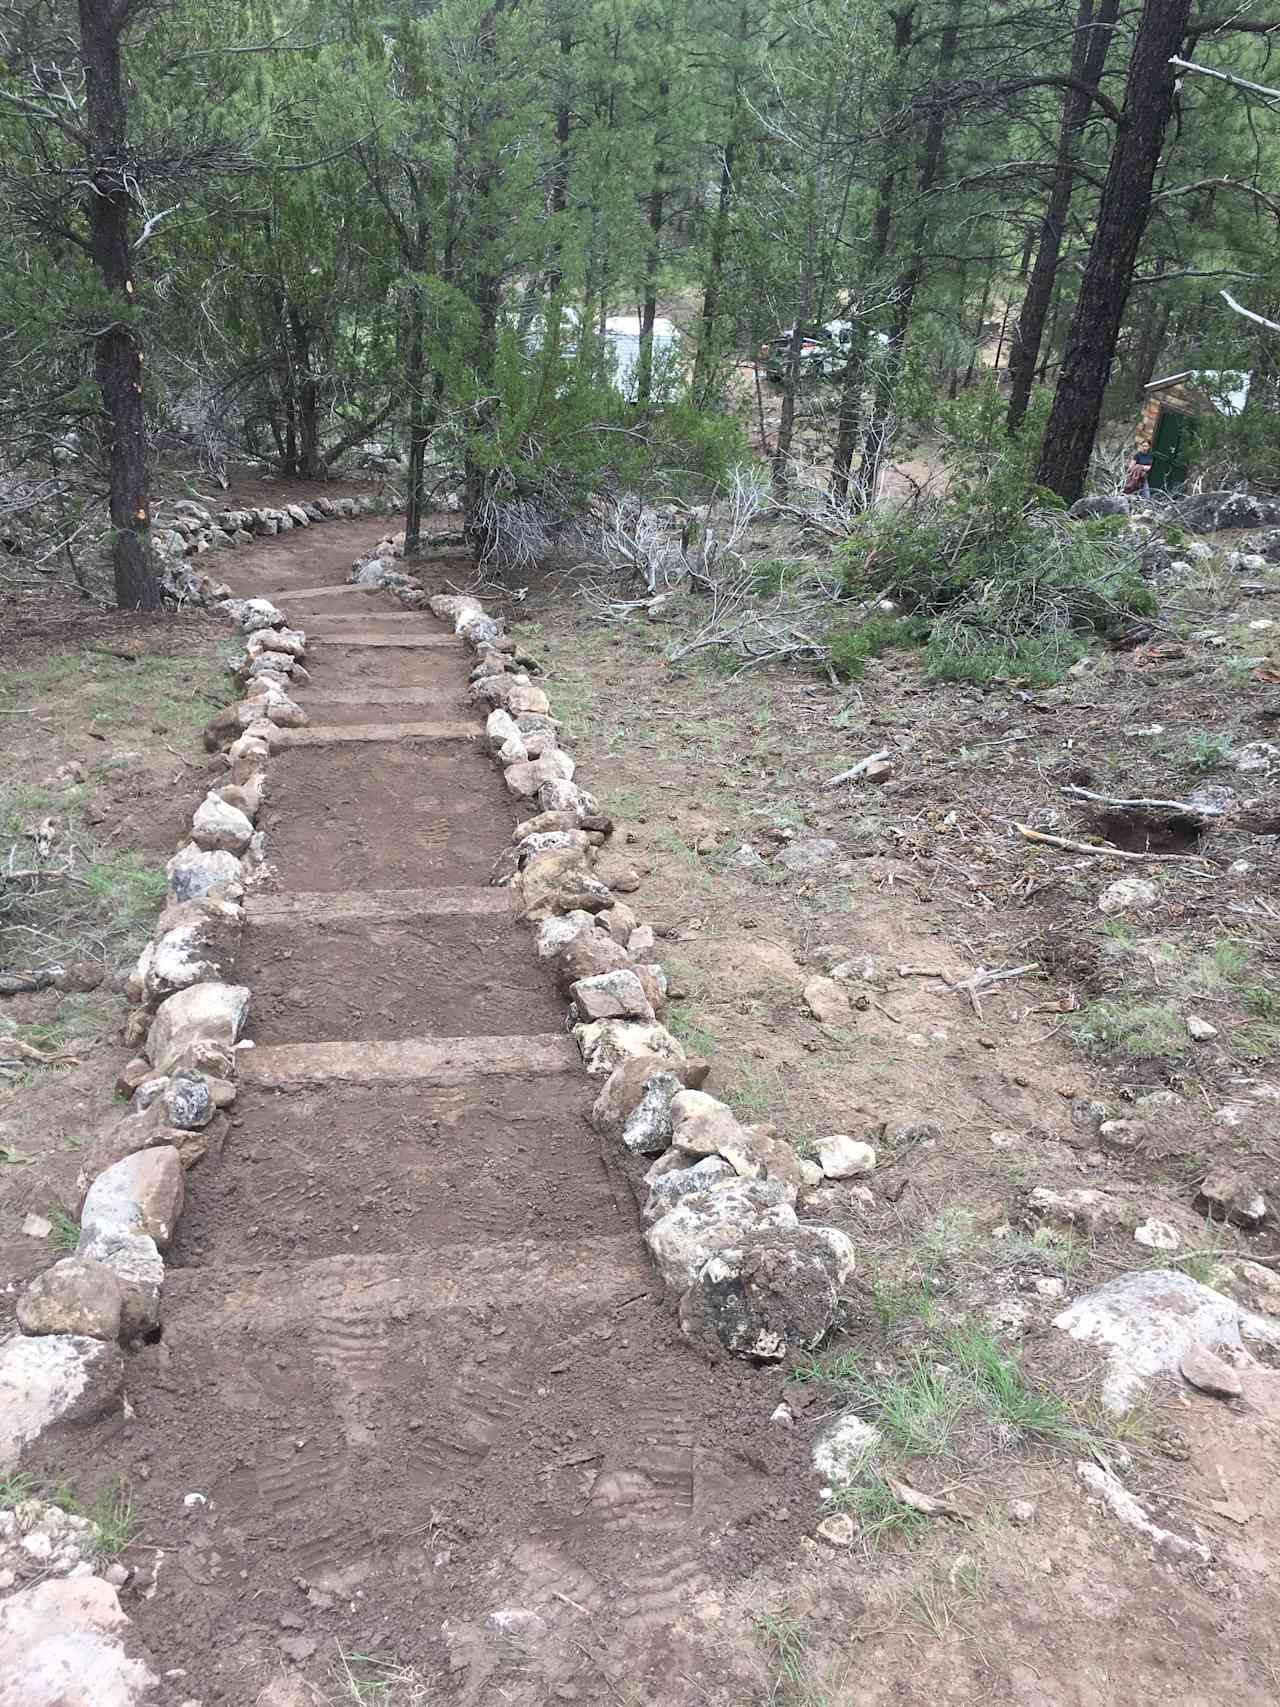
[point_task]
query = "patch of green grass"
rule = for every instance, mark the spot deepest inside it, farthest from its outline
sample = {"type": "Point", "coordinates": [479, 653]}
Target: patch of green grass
{"type": "Point", "coordinates": [899, 1300]}
{"type": "Point", "coordinates": [1256, 1042]}
{"type": "Point", "coordinates": [879, 1513]}
{"type": "Point", "coordinates": [1262, 1001]}
{"type": "Point", "coordinates": [958, 653]}
{"type": "Point", "coordinates": [129, 889]}
{"type": "Point", "coordinates": [65, 1235]}
{"type": "Point", "coordinates": [59, 1492]}
{"type": "Point", "coordinates": [1004, 1391]}
{"type": "Point", "coordinates": [682, 1023]}
{"type": "Point", "coordinates": [914, 1411]}
{"type": "Point", "coordinates": [14, 1488]}
{"type": "Point", "coordinates": [1207, 750]}
{"type": "Point", "coordinates": [114, 1524]}
{"type": "Point", "coordinates": [852, 647]}
{"type": "Point", "coordinates": [1144, 1032]}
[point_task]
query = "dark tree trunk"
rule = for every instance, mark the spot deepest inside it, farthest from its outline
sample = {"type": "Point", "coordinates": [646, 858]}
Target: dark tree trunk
{"type": "Point", "coordinates": [415, 367]}
{"type": "Point", "coordinates": [704, 364]}
{"type": "Point", "coordinates": [118, 357]}
{"type": "Point", "coordinates": [854, 378]}
{"type": "Point", "coordinates": [653, 260]}
{"type": "Point", "coordinates": [1122, 218]}
{"type": "Point", "coordinates": [879, 427]}
{"type": "Point", "coordinates": [1088, 56]}
{"type": "Point", "coordinates": [306, 390]}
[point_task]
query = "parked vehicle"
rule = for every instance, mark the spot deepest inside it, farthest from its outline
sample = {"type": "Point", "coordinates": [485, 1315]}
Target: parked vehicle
{"type": "Point", "coordinates": [822, 352]}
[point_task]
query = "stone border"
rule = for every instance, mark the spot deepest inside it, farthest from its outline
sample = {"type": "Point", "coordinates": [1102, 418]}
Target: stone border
{"type": "Point", "coordinates": [65, 1364]}
{"type": "Point", "coordinates": [717, 1198]}
{"type": "Point", "coordinates": [194, 530]}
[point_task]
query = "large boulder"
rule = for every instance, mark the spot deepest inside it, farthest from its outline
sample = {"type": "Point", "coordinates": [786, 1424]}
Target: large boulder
{"type": "Point", "coordinates": [1211, 512]}
{"type": "Point", "coordinates": [143, 1193]}
{"type": "Point", "coordinates": [1146, 1322]}
{"type": "Point", "coordinates": [775, 1294]}
{"type": "Point", "coordinates": [61, 1645]}
{"type": "Point", "coordinates": [707, 1222]}
{"type": "Point", "coordinates": [50, 1379]}
{"type": "Point", "coordinates": [195, 1027]}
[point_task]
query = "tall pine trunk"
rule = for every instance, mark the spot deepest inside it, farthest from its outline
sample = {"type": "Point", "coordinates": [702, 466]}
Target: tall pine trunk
{"type": "Point", "coordinates": [880, 426]}
{"type": "Point", "coordinates": [1122, 218]}
{"type": "Point", "coordinates": [1088, 55]}
{"type": "Point", "coordinates": [118, 357]}
{"type": "Point", "coordinates": [704, 363]}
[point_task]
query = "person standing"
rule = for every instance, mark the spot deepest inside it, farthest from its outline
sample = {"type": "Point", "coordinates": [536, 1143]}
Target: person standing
{"type": "Point", "coordinates": [1137, 480]}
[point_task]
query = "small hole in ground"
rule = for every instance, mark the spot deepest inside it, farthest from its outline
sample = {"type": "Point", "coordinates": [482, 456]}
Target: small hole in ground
{"type": "Point", "coordinates": [1151, 832]}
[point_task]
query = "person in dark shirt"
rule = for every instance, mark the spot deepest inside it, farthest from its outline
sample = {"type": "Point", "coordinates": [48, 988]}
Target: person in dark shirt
{"type": "Point", "coordinates": [1137, 480]}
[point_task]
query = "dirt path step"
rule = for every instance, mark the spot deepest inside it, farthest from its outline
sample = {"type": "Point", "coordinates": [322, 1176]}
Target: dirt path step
{"type": "Point", "coordinates": [380, 904]}
{"type": "Point", "coordinates": [355, 634]}
{"type": "Point", "coordinates": [328, 734]}
{"type": "Point", "coordinates": [420, 1060]}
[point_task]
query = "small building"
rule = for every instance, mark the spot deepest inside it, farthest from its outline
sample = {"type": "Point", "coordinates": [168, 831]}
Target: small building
{"type": "Point", "coordinates": [1169, 417]}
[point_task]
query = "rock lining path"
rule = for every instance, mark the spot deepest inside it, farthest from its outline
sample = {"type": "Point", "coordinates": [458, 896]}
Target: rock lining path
{"type": "Point", "coordinates": [416, 1370]}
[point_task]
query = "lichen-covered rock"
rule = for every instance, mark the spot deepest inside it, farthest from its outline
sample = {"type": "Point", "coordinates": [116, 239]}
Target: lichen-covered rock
{"type": "Point", "coordinates": [220, 827]}
{"type": "Point", "coordinates": [604, 1043]}
{"type": "Point", "coordinates": [707, 1222]}
{"type": "Point", "coordinates": [1146, 1322]}
{"type": "Point", "coordinates": [611, 995]}
{"type": "Point", "coordinates": [49, 1379]}
{"type": "Point", "coordinates": [625, 1088]}
{"type": "Point", "coordinates": [195, 1027]}
{"type": "Point", "coordinates": [647, 1129]}
{"type": "Point", "coordinates": [188, 1101]}
{"type": "Point", "coordinates": [775, 1294]}
{"type": "Point", "coordinates": [669, 1188]}
{"type": "Point", "coordinates": [75, 1296]}
{"type": "Point", "coordinates": [193, 871]}
{"type": "Point", "coordinates": [135, 1260]}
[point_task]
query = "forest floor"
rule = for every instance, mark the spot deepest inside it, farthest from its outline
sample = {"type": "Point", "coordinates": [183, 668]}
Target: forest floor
{"type": "Point", "coordinates": [414, 1357]}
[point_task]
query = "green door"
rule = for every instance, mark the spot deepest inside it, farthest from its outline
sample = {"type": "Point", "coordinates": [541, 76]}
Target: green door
{"type": "Point", "coordinates": [1171, 449]}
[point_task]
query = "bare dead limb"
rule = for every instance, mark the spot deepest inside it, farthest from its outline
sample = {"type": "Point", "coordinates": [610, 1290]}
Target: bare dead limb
{"type": "Point", "coordinates": [1186, 806]}
{"type": "Point", "coordinates": [860, 769]}
{"type": "Point", "coordinates": [1101, 852]}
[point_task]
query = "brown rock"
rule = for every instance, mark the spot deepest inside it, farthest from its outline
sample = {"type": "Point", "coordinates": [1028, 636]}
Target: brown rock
{"type": "Point", "coordinates": [757, 1152]}
{"type": "Point", "coordinates": [132, 1074]}
{"type": "Point", "coordinates": [589, 955]}
{"type": "Point", "coordinates": [1207, 1371]}
{"type": "Point", "coordinates": [81, 976]}
{"type": "Point", "coordinates": [617, 871]}
{"type": "Point", "coordinates": [1228, 1194]}
{"type": "Point", "coordinates": [827, 1002]}
{"type": "Point", "coordinates": [625, 1086]}
{"type": "Point", "coordinates": [611, 995]}
{"type": "Point", "coordinates": [700, 1124]}
{"type": "Point", "coordinates": [75, 1296]}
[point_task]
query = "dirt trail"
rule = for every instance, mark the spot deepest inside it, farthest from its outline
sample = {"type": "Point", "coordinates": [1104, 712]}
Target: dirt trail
{"type": "Point", "coordinates": [416, 1394]}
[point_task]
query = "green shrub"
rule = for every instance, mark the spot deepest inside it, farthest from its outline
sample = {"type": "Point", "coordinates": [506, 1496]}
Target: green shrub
{"type": "Point", "coordinates": [851, 647]}
{"type": "Point", "coordinates": [1001, 581]}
